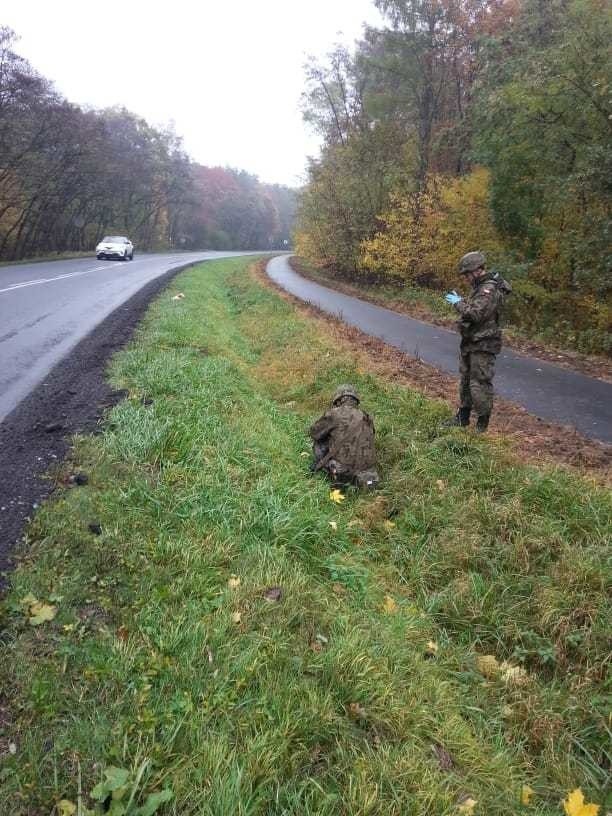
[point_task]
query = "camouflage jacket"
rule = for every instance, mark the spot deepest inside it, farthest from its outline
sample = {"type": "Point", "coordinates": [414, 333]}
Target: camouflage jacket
{"type": "Point", "coordinates": [348, 433]}
{"type": "Point", "coordinates": [480, 313]}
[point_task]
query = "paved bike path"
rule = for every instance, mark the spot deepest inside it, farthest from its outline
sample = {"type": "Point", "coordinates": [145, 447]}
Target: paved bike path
{"type": "Point", "coordinates": [548, 391]}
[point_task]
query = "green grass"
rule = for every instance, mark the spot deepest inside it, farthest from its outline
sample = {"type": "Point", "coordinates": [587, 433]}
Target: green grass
{"type": "Point", "coordinates": [327, 701]}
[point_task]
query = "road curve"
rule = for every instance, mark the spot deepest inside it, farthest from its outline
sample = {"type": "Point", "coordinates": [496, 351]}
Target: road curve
{"type": "Point", "coordinates": [47, 308]}
{"type": "Point", "coordinates": [548, 391]}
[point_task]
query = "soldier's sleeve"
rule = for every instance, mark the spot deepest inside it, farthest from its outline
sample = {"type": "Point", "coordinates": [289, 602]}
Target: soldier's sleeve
{"type": "Point", "coordinates": [322, 427]}
{"type": "Point", "coordinates": [480, 306]}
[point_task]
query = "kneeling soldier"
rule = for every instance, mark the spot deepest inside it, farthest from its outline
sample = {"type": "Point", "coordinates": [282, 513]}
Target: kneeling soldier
{"type": "Point", "coordinates": [343, 442]}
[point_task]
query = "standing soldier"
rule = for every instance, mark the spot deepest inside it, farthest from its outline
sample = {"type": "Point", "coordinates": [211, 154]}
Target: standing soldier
{"type": "Point", "coordinates": [481, 338]}
{"type": "Point", "coordinates": [343, 442]}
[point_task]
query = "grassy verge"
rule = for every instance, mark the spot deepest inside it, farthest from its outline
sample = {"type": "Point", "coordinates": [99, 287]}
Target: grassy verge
{"type": "Point", "coordinates": [363, 689]}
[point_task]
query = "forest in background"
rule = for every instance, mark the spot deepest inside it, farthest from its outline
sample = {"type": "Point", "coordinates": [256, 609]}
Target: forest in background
{"type": "Point", "coordinates": [471, 124]}
{"type": "Point", "coordinates": [70, 175]}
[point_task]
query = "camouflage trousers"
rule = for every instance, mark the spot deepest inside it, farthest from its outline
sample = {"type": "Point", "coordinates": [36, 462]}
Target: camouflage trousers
{"type": "Point", "coordinates": [476, 386]}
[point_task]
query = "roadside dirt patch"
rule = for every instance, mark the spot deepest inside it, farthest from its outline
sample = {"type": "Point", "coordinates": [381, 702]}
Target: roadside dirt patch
{"type": "Point", "coordinates": [592, 366]}
{"type": "Point", "coordinates": [531, 439]}
{"type": "Point", "coordinates": [73, 397]}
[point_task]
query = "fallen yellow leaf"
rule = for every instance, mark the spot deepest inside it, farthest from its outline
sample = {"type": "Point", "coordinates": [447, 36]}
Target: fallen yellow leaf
{"type": "Point", "coordinates": [388, 525]}
{"type": "Point", "coordinates": [305, 453]}
{"type": "Point", "coordinates": [357, 711]}
{"type": "Point", "coordinates": [431, 648]}
{"type": "Point", "coordinates": [236, 617]}
{"type": "Point", "coordinates": [41, 613]}
{"type": "Point", "coordinates": [574, 805]}
{"type": "Point", "coordinates": [66, 808]}
{"type": "Point", "coordinates": [441, 485]}
{"type": "Point", "coordinates": [526, 795]}
{"type": "Point", "coordinates": [514, 675]}
{"type": "Point", "coordinates": [389, 605]}
{"type": "Point", "coordinates": [234, 582]}
{"type": "Point", "coordinates": [333, 525]}
{"type": "Point", "coordinates": [487, 665]}
{"type": "Point", "coordinates": [468, 805]}
{"type": "Point", "coordinates": [337, 496]}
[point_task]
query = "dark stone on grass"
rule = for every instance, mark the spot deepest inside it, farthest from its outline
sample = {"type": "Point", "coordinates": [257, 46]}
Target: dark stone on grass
{"type": "Point", "coordinates": [445, 760]}
{"type": "Point", "coordinates": [80, 479]}
{"type": "Point", "coordinates": [94, 528]}
{"type": "Point", "coordinates": [273, 594]}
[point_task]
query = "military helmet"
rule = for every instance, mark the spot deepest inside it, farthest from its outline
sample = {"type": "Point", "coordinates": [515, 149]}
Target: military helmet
{"type": "Point", "coordinates": [471, 262]}
{"type": "Point", "coordinates": [345, 390]}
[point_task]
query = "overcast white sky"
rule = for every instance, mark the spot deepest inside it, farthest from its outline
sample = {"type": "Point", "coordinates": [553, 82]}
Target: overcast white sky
{"type": "Point", "coordinates": [228, 73]}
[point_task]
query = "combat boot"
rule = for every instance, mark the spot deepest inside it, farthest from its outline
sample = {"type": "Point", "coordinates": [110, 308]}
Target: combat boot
{"type": "Point", "coordinates": [367, 480]}
{"type": "Point", "coordinates": [460, 420]}
{"type": "Point", "coordinates": [482, 423]}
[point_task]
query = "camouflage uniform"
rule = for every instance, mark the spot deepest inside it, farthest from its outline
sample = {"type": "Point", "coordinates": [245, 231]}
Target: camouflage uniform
{"type": "Point", "coordinates": [481, 341]}
{"type": "Point", "coordinates": [343, 442]}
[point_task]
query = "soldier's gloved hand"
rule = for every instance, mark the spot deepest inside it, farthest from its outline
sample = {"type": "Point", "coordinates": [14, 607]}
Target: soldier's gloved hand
{"type": "Point", "coordinates": [452, 298]}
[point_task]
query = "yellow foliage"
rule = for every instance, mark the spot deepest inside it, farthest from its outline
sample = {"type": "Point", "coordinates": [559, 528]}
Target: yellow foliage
{"type": "Point", "coordinates": [574, 805]}
{"type": "Point", "coordinates": [306, 247]}
{"type": "Point", "coordinates": [389, 605]}
{"type": "Point", "coordinates": [467, 806]}
{"type": "Point", "coordinates": [526, 795]}
{"type": "Point", "coordinates": [336, 496]}
{"type": "Point", "coordinates": [487, 665]}
{"type": "Point", "coordinates": [431, 648]}
{"type": "Point", "coordinates": [37, 611]}
{"type": "Point", "coordinates": [425, 236]}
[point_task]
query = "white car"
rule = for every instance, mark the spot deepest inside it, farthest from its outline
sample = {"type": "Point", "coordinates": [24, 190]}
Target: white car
{"type": "Point", "coordinates": [115, 246]}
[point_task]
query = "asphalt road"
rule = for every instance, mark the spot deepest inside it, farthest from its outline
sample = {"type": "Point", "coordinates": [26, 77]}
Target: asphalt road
{"type": "Point", "coordinates": [47, 308]}
{"type": "Point", "coordinates": [548, 391]}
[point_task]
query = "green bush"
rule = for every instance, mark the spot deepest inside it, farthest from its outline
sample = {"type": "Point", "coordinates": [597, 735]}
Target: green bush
{"type": "Point", "coordinates": [567, 319]}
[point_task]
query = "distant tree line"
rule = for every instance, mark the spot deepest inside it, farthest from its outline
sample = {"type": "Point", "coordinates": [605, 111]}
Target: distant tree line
{"type": "Point", "coordinates": [69, 175]}
{"type": "Point", "coordinates": [471, 124]}
{"type": "Point", "coordinates": [232, 209]}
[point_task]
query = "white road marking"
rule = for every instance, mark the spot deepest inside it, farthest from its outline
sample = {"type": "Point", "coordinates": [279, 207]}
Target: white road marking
{"type": "Point", "coordinates": [59, 277]}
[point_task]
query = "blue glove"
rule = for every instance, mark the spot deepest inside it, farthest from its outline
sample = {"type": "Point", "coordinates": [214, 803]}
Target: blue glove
{"type": "Point", "coordinates": [452, 298]}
